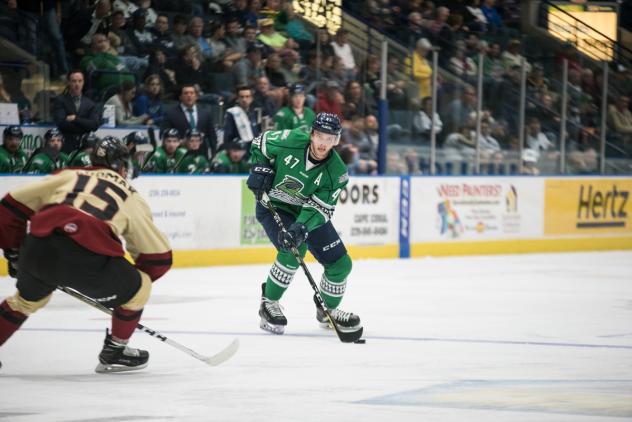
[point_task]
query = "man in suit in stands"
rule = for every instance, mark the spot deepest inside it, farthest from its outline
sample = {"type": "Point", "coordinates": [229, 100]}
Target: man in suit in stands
{"type": "Point", "coordinates": [187, 115]}
{"type": "Point", "coordinates": [74, 113]}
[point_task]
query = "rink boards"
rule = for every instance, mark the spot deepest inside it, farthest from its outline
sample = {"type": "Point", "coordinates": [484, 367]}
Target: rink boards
{"type": "Point", "coordinates": [210, 220]}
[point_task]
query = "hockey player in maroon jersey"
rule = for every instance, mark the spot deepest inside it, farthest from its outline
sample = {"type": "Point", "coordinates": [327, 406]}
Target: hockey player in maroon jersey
{"type": "Point", "coordinates": [77, 217]}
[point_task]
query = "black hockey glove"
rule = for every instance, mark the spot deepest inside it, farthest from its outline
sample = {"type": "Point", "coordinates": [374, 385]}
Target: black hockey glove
{"type": "Point", "coordinates": [12, 256]}
{"type": "Point", "coordinates": [260, 179]}
{"type": "Point", "coordinates": [293, 236]}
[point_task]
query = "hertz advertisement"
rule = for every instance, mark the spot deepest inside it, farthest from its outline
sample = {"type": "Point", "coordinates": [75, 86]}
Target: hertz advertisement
{"type": "Point", "coordinates": [589, 206]}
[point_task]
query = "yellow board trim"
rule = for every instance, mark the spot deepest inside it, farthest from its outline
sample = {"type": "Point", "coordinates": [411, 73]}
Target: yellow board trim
{"type": "Point", "coordinates": [265, 255]}
{"type": "Point", "coordinates": [520, 246]}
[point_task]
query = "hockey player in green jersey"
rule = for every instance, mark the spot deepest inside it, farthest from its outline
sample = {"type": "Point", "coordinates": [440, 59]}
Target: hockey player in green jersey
{"type": "Point", "coordinates": [82, 157]}
{"type": "Point", "coordinates": [167, 156]}
{"type": "Point", "coordinates": [233, 158]}
{"type": "Point", "coordinates": [12, 158]}
{"type": "Point", "coordinates": [50, 157]}
{"type": "Point", "coordinates": [194, 161]}
{"type": "Point", "coordinates": [295, 115]}
{"type": "Point", "coordinates": [303, 177]}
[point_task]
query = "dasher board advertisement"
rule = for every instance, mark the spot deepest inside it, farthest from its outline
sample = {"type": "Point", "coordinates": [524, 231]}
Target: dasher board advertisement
{"type": "Point", "coordinates": [475, 208]}
{"type": "Point", "coordinates": [590, 206]}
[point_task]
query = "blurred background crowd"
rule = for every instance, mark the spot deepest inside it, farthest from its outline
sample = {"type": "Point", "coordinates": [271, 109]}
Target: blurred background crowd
{"type": "Point", "coordinates": [195, 81]}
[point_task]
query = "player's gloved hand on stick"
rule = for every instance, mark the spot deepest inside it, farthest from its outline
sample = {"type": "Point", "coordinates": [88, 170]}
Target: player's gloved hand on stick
{"type": "Point", "coordinates": [12, 256]}
{"type": "Point", "coordinates": [293, 236]}
{"type": "Point", "coordinates": [260, 179]}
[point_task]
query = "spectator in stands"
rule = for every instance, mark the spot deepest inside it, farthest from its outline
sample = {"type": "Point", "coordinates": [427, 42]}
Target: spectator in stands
{"type": "Point", "coordinates": [105, 69]}
{"type": "Point", "coordinates": [309, 74]}
{"type": "Point", "coordinates": [296, 30]}
{"type": "Point", "coordinates": [248, 70]}
{"type": "Point", "coordinates": [178, 35]}
{"type": "Point", "coordinates": [122, 102]}
{"type": "Point", "coordinates": [266, 99]}
{"type": "Point", "coordinates": [149, 102]}
{"type": "Point", "coordinates": [162, 35]}
{"type": "Point", "coordinates": [529, 162]}
{"type": "Point", "coordinates": [150, 14]}
{"type": "Point", "coordinates": [118, 35]}
{"type": "Point", "coordinates": [505, 99]}
{"type": "Point", "coordinates": [547, 115]}
{"type": "Point", "coordinates": [196, 31]}
{"type": "Point", "coordinates": [330, 100]}
{"type": "Point", "coordinates": [342, 49]}
{"type": "Point", "coordinates": [582, 156]}
{"type": "Point", "coordinates": [473, 16]}
{"type": "Point", "coordinates": [422, 122]}
{"type": "Point", "coordinates": [494, 21]}
{"type": "Point", "coordinates": [512, 57]}
{"type": "Point", "coordinates": [421, 69]}
{"type": "Point", "coordinates": [273, 70]}
{"type": "Point", "coordinates": [461, 65]}
{"type": "Point", "coordinates": [157, 66]}
{"type": "Point", "coordinates": [219, 52]}
{"type": "Point", "coordinates": [290, 65]}
{"type": "Point", "coordinates": [416, 28]}
{"type": "Point", "coordinates": [128, 7]}
{"type": "Point", "coordinates": [492, 64]}
{"type": "Point", "coordinates": [141, 37]}
{"type": "Point", "coordinates": [190, 70]}
{"type": "Point", "coordinates": [382, 12]}
{"type": "Point", "coordinates": [73, 113]}
{"type": "Point", "coordinates": [360, 152]}
{"type": "Point", "coordinates": [356, 102]}
{"type": "Point", "coordinates": [536, 81]}
{"type": "Point", "coordinates": [460, 109]}
{"type": "Point", "coordinates": [98, 23]}
{"type": "Point", "coordinates": [295, 114]}
{"type": "Point", "coordinates": [4, 95]}
{"type": "Point", "coordinates": [447, 36]}
{"type": "Point", "coordinates": [270, 37]}
{"type": "Point", "coordinates": [324, 39]}
{"type": "Point", "coordinates": [188, 115]}
{"type": "Point", "coordinates": [489, 146]}
{"type": "Point", "coordinates": [234, 39]}
{"type": "Point", "coordinates": [621, 119]}
{"type": "Point", "coordinates": [396, 92]}
{"type": "Point", "coordinates": [240, 121]}
{"type": "Point", "coordinates": [461, 143]}
{"type": "Point", "coordinates": [369, 74]}
{"type": "Point", "coordinates": [538, 141]}
{"type": "Point", "coordinates": [436, 25]}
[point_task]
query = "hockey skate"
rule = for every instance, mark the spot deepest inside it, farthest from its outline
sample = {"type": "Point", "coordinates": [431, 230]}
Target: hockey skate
{"type": "Point", "coordinates": [272, 318]}
{"type": "Point", "coordinates": [117, 357]}
{"type": "Point", "coordinates": [346, 321]}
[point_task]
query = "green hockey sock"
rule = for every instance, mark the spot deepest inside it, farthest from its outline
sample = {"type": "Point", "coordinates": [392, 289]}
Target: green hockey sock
{"type": "Point", "coordinates": [334, 281]}
{"type": "Point", "coordinates": [282, 273]}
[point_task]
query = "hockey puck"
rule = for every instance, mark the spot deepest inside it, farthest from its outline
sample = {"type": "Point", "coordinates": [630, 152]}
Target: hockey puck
{"type": "Point", "coordinates": [360, 341]}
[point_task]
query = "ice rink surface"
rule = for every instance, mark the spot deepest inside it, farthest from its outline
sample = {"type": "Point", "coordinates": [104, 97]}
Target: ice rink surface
{"type": "Point", "coordinates": [504, 338]}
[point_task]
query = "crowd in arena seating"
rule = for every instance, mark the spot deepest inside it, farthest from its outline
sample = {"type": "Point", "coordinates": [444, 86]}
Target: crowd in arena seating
{"type": "Point", "coordinates": [175, 64]}
{"type": "Point", "coordinates": [460, 31]}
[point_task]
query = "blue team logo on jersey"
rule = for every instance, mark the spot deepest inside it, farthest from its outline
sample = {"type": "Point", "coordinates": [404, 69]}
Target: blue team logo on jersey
{"type": "Point", "coordinates": [289, 191]}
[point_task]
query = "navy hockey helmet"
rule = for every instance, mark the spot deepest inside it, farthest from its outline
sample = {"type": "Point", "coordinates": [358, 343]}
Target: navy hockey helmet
{"type": "Point", "coordinates": [297, 89]}
{"type": "Point", "coordinates": [192, 133]}
{"type": "Point", "coordinates": [13, 131]}
{"type": "Point", "coordinates": [170, 133]}
{"type": "Point", "coordinates": [110, 152]}
{"type": "Point", "coordinates": [88, 140]}
{"type": "Point", "coordinates": [52, 133]}
{"type": "Point", "coordinates": [328, 123]}
{"type": "Point", "coordinates": [136, 138]}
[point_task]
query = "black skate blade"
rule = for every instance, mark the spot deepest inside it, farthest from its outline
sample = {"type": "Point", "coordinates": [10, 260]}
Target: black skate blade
{"type": "Point", "coordinates": [111, 369]}
{"type": "Point", "coordinates": [271, 328]}
{"type": "Point", "coordinates": [349, 336]}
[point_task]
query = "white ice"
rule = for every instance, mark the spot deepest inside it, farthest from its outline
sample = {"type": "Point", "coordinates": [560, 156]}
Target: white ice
{"type": "Point", "coordinates": [505, 338]}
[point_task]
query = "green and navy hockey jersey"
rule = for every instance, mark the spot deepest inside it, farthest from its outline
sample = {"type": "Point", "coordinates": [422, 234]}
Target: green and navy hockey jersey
{"type": "Point", "coordinates": [82, 159]}
{"type": "Point", "coordinates": [160, 162]}
{"type": "Point", "coordinates": [286, 118]}
{"type": "Point", "coordinates": [302, 188]}
{"type": "Point", "coordinates": [11, 163]}
{"type": "Point", "coordinates": [45, 162]}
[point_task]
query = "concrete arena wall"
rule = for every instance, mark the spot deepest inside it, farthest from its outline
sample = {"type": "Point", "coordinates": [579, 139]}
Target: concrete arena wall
{"type": "Point", "coordinates": [210, 219]}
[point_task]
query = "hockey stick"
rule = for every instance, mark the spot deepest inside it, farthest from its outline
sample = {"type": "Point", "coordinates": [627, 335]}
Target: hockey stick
{"type": "Point", "coordinates": [214, 360]}
{"type": "Point", "coordinates": [344, 336]}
